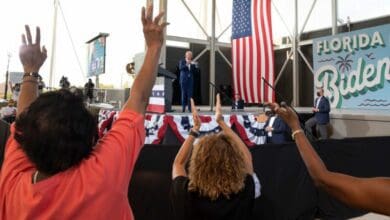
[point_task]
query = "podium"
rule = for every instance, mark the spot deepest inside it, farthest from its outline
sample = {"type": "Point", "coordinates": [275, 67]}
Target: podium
{"type": "Point", "coordinates": [168, 79]}
{"type": "Point", "coordinates": [161, 99]}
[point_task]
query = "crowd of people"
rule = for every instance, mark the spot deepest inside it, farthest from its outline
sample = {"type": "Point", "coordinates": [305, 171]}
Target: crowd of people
{"type": "Point", "coordinates": [56, 168]}
{"type": "Point", "coordinates": [8, 112]}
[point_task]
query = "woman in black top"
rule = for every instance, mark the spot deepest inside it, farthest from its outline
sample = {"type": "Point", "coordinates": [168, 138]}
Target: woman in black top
{"type": "Point", "coordinates": [220, 183]}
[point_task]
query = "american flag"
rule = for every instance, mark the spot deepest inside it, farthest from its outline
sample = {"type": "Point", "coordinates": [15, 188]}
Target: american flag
{"type": "Point", "coordinates": [157, 100]}
{"type": "Point", "coordinates": [252, 50]}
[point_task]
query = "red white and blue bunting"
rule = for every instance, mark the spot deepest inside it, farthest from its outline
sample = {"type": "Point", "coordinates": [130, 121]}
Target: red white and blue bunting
{"type": "Point", "coordinates": [248, 128]}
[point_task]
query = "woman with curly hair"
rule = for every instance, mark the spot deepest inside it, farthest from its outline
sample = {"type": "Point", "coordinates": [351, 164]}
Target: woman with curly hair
{"type": "Point", "coordinates": [220, 183]}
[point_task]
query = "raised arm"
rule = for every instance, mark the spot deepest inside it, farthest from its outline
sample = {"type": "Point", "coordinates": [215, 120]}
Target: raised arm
{"type": "Point", "coordinates": [143, 83]}
{"type": "Point", "coordinates": [231, 134]}
{"type": "Point", "coordinates": [32, 58]}
{"type": "Point", "coordinates": [178, 168]}
{"type": "Point", "coordinates": [371, 194]}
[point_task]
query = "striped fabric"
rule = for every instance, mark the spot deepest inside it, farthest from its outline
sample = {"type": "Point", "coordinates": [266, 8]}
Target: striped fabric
{"type": "Point", "coordinates": [252, 50]}
{"type": "Point", "coordinates": [157, 100]}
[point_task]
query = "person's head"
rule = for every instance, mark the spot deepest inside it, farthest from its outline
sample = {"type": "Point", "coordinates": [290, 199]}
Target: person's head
{"type": "Point", "coordinates": [216, 168]}
{"type": "Point", "coordinates": [269, 113]}
{"type": "Point", "coordinates": [11, 103]}
{"type": "Point", "coordinates": [56, 131]}
{"type": "Point", "coordinates": [17, 87]}
{"type": "Point", "coordinates": [320, 91]}
{"type": "Point", "coordinates": [188, 55]}
{"type": "Point", "coordinates": [237, 97]}
{"type": "Point", "coordinates": [90, 80]}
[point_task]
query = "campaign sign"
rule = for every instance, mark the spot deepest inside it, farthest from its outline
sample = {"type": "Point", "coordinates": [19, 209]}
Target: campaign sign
{"type": "Point", "coordinates": [354, 68]}
{"type": "Point", "coordinates": [97, 56]}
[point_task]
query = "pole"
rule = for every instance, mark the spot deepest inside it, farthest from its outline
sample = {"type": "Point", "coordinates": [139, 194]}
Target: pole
{"type": "Point", "coordinates": [295, 45]}
{"type": "Point", "coordinates": [163, 56]}
{"type": "Point", "coordinates": [6, 77]}
{"type": "Point", "coordinates": [212, 54]}
{"type": "Point", "coordinates": [334, 17]}
{"type": "Point", "coordinates": [53, 45]}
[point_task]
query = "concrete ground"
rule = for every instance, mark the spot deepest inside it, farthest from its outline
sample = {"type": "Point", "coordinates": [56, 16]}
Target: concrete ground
{"type": "Point", "coordinates": [372, 216]}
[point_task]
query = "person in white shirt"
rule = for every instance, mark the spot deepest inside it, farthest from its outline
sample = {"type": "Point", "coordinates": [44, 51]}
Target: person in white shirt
{"type": "Point", "coordinates": [8, 112]}
{"type": "Point", "coordinates": [276, 130]}
{"type": "Point", "coordinates": [15, 91]}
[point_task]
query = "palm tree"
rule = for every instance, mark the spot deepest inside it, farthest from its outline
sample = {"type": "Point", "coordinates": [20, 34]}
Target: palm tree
{"type": "Point", "coordinates": [344, 63]}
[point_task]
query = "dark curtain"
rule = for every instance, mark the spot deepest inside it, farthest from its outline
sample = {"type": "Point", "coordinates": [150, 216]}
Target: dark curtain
{"type": "Point", "coordinates": [287, 189]}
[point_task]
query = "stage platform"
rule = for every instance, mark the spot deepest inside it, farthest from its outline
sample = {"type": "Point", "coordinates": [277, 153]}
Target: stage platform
{"type": "Point", "coordinates": [344, 123]}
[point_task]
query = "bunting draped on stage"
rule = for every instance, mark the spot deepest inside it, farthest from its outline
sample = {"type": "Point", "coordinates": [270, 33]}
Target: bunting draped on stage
{"type": "Point", "coordinates": [250, 130]}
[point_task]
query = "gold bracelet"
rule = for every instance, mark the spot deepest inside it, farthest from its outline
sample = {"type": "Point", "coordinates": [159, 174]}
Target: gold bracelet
{"type": "Point", "coordinates": [295, 133]}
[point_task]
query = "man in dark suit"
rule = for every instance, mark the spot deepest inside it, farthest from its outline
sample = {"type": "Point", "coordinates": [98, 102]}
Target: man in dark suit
{"type": "Point", "coordinates": [321, 111]}
{"type": "Point", "coordinates": [276, 130]}
{"type": "Point", "coordinates": [187, 70]}
{"type": "Point", "coordinates": [238, 102]}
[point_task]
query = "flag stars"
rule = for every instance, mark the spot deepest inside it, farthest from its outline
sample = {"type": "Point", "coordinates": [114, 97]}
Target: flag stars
{"type": "Point", "coordinates": [242, 18]}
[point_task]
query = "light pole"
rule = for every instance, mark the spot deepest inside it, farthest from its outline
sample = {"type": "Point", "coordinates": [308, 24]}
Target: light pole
{"type": "Point", "coordinates": [6, 77]}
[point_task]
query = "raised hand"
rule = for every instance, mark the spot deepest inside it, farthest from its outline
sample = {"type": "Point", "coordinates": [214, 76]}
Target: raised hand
{"type": "Point", "coordinates": [195, 116]}
{"type": "Point", "coordinates": [287, 114]}
{"type": "Point", "coordinates": [31, 55]}
{"type": "Point", "coordinates": [218, 109]}
{"type": "Point", "coordinates": [153, 30]}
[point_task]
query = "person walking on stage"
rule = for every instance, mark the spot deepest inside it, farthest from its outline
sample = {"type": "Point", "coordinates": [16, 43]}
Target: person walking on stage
{"type": "Point", "coordinates": [321, 111]}
{"type": "Point", "coordinates": [187, 70]}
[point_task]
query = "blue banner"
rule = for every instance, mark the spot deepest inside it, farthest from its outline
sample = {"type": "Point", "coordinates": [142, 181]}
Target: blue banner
{"type": "Point", "coordinates": [96, 56]}
{"type": "Point", "coordinates": [354, 68]}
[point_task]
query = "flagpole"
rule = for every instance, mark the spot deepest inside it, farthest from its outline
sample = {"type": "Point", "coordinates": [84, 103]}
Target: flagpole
{"type": "Point", "coordinates": [295, 43]}
{"type": "Point", "coordinates": [6, 76]}
{"type": "Point", "coordinates": [212, 55]}
{"type": "Point", "coordinates": [53, 45]}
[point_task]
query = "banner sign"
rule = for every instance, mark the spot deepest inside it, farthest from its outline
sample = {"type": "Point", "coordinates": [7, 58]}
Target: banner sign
{"type": "Point", "coordinates": [354, 68]}
{"type": "Point", "coordinates": [97, 55]}
{"type": "Point", "coordinates": [15, 77]}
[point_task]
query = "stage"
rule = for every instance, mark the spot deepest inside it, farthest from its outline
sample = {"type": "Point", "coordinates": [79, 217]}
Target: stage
{"type": "Point", "coordinates": [344, 123]}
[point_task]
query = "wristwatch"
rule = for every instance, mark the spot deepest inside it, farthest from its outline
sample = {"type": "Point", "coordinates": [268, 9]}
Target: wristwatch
{"type": "Point", "coordinates": [194, 133]}
{"type": "Point", "coordinates": [33, 74]}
